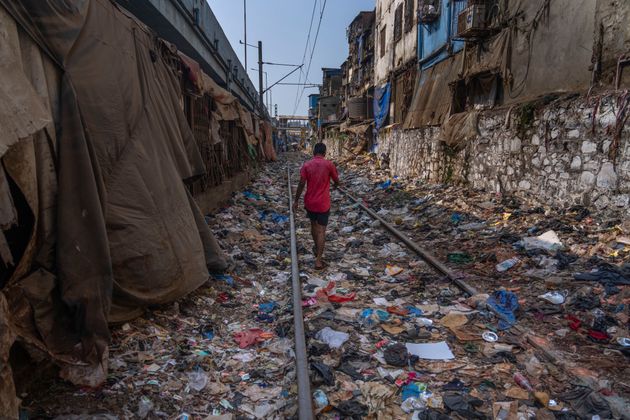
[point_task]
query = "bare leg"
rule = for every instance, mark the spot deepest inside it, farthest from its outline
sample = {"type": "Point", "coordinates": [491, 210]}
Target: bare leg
{"type": "Point", "coordinates": [314, 235]}
{"type": "Point", "coordinates": [320, 241]}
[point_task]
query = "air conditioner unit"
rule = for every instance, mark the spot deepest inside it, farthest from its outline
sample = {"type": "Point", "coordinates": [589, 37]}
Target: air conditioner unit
{"type": "Point", "coordinates": [471, 23]}
{"type": "Point", "coordinates": [428, 11]}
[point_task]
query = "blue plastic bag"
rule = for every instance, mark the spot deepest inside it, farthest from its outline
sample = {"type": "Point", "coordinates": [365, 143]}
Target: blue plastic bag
{"type": "Point", "coordinates": [504, 305]}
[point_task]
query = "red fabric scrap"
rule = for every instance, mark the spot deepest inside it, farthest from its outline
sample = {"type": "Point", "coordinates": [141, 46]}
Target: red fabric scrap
{"type": "Point", "coordinates": [575, 322]}
{"type": "Point", "coordinates": [249, 337]}
{"type": "Point", "coordinates": [326, 294]}
{"type": "Point", "coordinates": [598, 335]}
{"type": "Point", "coordinates": [397, 310]}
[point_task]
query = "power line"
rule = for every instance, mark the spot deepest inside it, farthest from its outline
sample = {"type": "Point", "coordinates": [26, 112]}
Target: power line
{"type": "Point", "coordinates": [310, 61]}
{"type": "Point", "coordinates": [308, 39]}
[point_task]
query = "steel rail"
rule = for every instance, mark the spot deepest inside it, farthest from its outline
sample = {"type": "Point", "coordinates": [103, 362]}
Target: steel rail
{"type": "Point", "coordinates": [426, 256]}
{"type": "Point", "coordinates": [305, 402]}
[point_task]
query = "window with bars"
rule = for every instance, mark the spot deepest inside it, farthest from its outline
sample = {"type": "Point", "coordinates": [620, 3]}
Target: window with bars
{"type": "Point", "coordinates": [398, 27]}
{"type": "Point", "coordinates": [382, 39]}
{"type": "Point", "coordinates": [409, 14]}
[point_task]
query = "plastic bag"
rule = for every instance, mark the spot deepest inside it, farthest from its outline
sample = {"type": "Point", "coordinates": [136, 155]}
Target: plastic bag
{"type": "Point", "coordinates": [334, 339]}
{"type": "Point", "coordinates": [197, 380]}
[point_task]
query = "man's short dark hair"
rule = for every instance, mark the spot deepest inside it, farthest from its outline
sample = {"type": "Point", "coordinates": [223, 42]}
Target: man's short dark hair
{"type": "Point", "coordinates": [319, 149]}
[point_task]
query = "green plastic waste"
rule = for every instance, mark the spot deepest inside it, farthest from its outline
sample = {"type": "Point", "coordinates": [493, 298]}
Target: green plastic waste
{"type": "Point", "coordinates": [460, 258]}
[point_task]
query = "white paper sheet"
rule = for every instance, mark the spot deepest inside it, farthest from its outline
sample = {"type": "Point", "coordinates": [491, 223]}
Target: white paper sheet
{"type": "Point", "coordinates": [431, 351]}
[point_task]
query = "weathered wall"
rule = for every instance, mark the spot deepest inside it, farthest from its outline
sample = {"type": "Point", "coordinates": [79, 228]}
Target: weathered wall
{"type": "Point", "coordinates": [551, 151]}
{"type": "Point", "coordinates": [612, 38]}
{"type": "Point", "coordinates": [397, 53]}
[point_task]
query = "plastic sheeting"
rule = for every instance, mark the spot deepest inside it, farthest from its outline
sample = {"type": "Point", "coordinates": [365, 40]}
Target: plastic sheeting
{"type": "Point", "coordinates": [127, 234]}
{"type": "Point", "coordinates": [21, 110]}
{"type": "Point", "coordinates": [530, 65]}
{"type": "Point", "coordinates": [432, 99]}
{"type": "Point", "coordinates": [460, 128]}
{"type": "Point", "coordinates": [9, 403]}
{"type": "Point", "coordinates": [382, 95]}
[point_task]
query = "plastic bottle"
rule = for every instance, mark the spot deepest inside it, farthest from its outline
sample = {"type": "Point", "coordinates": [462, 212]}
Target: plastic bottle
{"type": "Point", "coordinates": [320, 398]}
{"type": "Point", "coordinates": [507, 264]}
{"type": "Point", "coordinates": [522, 382]}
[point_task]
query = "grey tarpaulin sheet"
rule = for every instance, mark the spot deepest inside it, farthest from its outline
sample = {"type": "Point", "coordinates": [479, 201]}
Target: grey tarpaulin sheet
{"type": "Point", "coordinates": [128, 234]}
{"type": "Point", "coordinates": [431, 100]}
{"type": "Point", "coordinates": [457, 129]}
{"type": "Point", "coordinates": [529, 64]}
{"type": "Point", "coordinates": [532, 66]}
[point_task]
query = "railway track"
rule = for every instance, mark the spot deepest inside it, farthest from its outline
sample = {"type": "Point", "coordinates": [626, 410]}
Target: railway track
{"type": "Point", "coordinates": [305, 403]}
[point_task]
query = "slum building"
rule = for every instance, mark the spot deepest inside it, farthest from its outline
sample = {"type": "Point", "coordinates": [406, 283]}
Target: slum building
{"type": "Point", "coordinates": [313, 112]}
{"type": "Point", "coordinates": [329, 102]}
{"type": "Point", "coordinates": [359, 67]}
{"type": "Point", "coordinates": [358, 83]}
{"type": "Point", "coordinates": [111, 139]}
{"type": "Point", "coordinates": [520, 97]}
{"type": "Point", "coordinates": [395, 64]}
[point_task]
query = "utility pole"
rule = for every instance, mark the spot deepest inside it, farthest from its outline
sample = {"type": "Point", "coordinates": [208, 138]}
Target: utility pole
{"type": "Point", "coordinates": [245, 29]}
{"type": "Point", "coordinates": [267, 92]}
{"type": "Point", "coordinates": [260, 77]}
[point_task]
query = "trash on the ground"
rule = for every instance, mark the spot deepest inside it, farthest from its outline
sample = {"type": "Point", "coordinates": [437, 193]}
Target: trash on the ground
{"type": "Point", "coordinates": [490, 336]}
{"type": "Point", "coordinates": [555, 297]}
{"type": "Point", "coordinates": [197, 379]}
{"type": "Point", "coordinates": [431, 351]}
{"type": "Point", "coordinates": [334, 339]}
{"type": "Point", "coordinates": [320, 399]}
{"type": "Point", "coordinates": [507, 264]}
{"type": "Point", "coordinates": [392, 270]}
{"type": "Point", "coordinates": [523, 382]}
{"type": "Point", "coordinates": [549, 241]}
{"type": "Point", "coordinates": [387, 336]}
{"type": "Point", "coordinates": [623, 341]}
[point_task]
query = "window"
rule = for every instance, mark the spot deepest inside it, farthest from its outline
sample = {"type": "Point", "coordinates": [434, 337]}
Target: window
{"type": "Point", "coordinates": [398, 23]}
{"type": "Point", "coordinates": [382, 39]}
{"type": "Point", "coordinates": [409, 14]}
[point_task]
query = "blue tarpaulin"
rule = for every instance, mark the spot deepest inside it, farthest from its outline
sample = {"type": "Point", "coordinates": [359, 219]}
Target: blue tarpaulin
{"type": "Point", "coordinates": [381, 104]}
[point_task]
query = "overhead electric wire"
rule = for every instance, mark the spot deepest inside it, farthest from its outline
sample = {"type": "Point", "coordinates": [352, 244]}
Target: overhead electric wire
{"type": "Point", "coordinates": [310, 61]}
{"type": "Point", "coordinates": [308, 39]}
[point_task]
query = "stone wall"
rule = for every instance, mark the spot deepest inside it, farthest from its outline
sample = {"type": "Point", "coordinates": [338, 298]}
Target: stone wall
{"type": "Point", "coordinates": [557, 151]}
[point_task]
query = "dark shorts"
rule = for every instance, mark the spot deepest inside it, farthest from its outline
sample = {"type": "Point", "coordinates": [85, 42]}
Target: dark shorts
{"type": "Point", "coordinates": [320, 218]}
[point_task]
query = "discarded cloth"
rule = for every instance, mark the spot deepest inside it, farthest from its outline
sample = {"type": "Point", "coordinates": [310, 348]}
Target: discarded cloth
{"type": "Point", "coordinates": [607, 274]}
{"type": "Point", "coordinates": [504, 304]}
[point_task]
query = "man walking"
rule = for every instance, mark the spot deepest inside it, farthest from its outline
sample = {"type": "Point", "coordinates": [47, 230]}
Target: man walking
{"type": "Point", "coordinates": [316, 174]}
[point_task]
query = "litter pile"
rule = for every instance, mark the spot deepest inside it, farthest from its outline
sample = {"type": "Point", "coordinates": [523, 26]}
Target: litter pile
{"type": "Point", "coordinates": [387, 337]}
{"type": "Point", "coordinates": [224, 351]}
{"type": "Point", "coordinates": [390, 338]}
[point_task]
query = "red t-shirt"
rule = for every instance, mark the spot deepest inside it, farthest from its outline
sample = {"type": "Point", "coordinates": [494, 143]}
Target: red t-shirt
{"type": "Point", "coordinates": [317, 173]}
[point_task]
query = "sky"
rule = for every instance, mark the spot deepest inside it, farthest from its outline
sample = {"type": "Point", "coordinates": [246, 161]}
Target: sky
{"type": "Point", "coordinates": [282, 26]}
